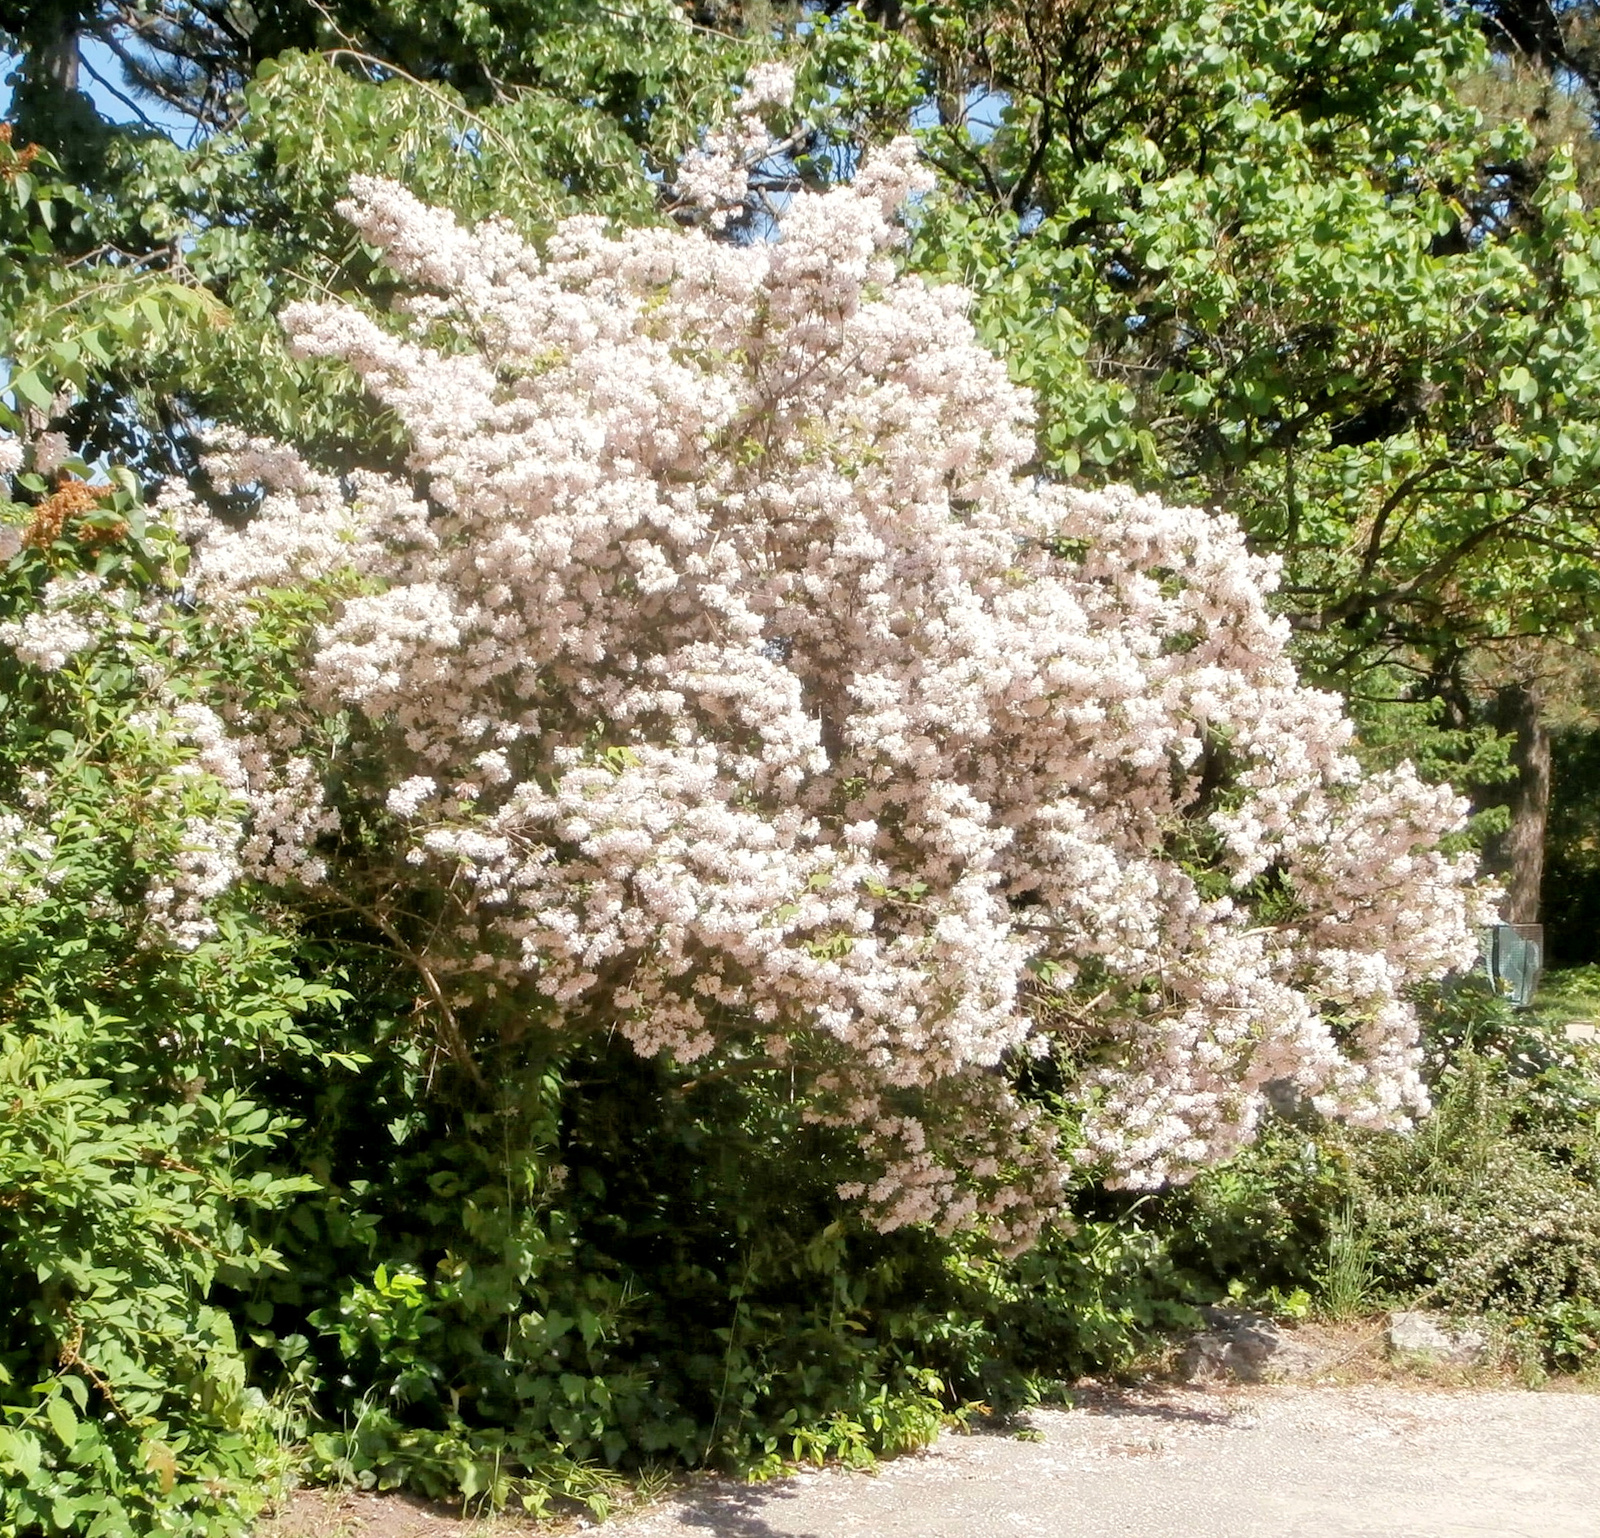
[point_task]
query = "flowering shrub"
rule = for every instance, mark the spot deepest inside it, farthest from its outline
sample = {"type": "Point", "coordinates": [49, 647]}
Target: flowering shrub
{"type": "Point", "coordinates": [721, 676]}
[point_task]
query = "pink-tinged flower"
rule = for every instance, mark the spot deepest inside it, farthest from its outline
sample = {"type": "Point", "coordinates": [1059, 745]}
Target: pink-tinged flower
{"type": "Point", "coordinates": [735, 686]}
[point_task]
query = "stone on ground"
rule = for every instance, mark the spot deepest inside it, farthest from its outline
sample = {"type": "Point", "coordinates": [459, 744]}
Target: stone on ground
{"type": "Point", "coordinates": [1239, 1346]}
{"type": "Point", "coordinates": [1422, 1334]}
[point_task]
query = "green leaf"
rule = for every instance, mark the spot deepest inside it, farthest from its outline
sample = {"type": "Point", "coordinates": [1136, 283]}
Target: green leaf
{"type": "Point", "coordinates": [62, 1419]}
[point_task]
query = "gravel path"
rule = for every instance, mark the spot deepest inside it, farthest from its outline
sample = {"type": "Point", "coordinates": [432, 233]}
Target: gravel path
{"type": "Point", "coordinates": [1375, 1461]}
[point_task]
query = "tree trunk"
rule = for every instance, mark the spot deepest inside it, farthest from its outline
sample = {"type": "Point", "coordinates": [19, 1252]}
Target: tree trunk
{"type": "Point", "coordinates": [50, 106]}
{"type": "Point", "coordinates": [56, 58]}
{"type": "Point", "coordinates": [1517, 855]}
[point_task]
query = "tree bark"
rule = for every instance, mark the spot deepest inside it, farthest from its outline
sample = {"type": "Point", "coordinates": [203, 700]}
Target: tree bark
{"type": "Point", "coordinates": [1517, 855]}
{"type": "Point", "coordinates": [56, 60]}
{"type": "Point", "coordinates": [48, 106]}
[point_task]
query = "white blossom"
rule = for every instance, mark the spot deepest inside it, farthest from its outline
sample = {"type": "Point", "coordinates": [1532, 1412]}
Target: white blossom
{"type": "Point", "coordinates": [760, 700]}
{"type": "Point", "coordinates": [50, 452]}
{"type": "Point", "coordinates": [72, 614]}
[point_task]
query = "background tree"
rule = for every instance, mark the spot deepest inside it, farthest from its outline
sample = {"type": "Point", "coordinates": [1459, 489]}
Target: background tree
{"type": "Point", "coordinates": [620, 62]}
{"type": "Point", "coordinates": [1555, 36]}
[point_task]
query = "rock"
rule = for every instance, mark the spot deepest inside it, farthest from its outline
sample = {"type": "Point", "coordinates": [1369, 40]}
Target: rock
{"type": "Point", "coordinates": [1415, 1333]}
{"type": "Point", "coordinates": [1244, 1347]}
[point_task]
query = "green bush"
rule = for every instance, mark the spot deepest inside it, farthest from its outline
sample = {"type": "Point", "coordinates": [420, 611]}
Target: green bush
{"type": "Point", "coordinates": [1492, 1205]}
{"type": "Point", "coordinates": [1496, 1209]}
{"type": "Point", "coordinates": [122, 1390]}
{"type": "Point", "coordinates": [602, 1263]}
{"type": "Point", "coordinates": [134, 1153]}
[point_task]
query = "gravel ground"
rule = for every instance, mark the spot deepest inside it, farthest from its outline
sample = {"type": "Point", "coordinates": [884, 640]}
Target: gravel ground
{"type": "Point", "coordinates": [1370, 1461]}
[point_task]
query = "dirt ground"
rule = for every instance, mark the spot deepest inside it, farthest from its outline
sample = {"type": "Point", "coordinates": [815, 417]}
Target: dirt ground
{"type": "Point", "coordinates": [1364, 1451]}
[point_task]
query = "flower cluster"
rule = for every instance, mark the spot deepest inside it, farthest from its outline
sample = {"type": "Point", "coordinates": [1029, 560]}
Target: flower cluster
{"type": "Point", "coordinates": [722, 677]}
{"type": "Point", "coordinates": [715, 179]}
{"type": "Point", "coordinates": [27, 859]}
{"type": "Point", "coordinates": [166, 780]}
{"type": "Point", "coordinates": [66, 622]}
{"type": "Point", "coordinates": [204, 861]}
{"type": "Point", "coordinates": [154, 764]}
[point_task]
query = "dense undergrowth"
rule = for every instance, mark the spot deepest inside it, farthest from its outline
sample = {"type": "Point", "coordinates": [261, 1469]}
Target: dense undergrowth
{"type": "Point", "coordinates": [311, 1254]}
{"type": "Point", "coordinates": [1491, 1208]}
{"type": "Point", "coordinates": [312, 1245]}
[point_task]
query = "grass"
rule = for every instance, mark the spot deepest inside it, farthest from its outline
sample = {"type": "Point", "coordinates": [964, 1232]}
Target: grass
{"type": "Point", "coordinates": [1347, 1280]}
{"type": "Point", "coordinates": [1571, 994]}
